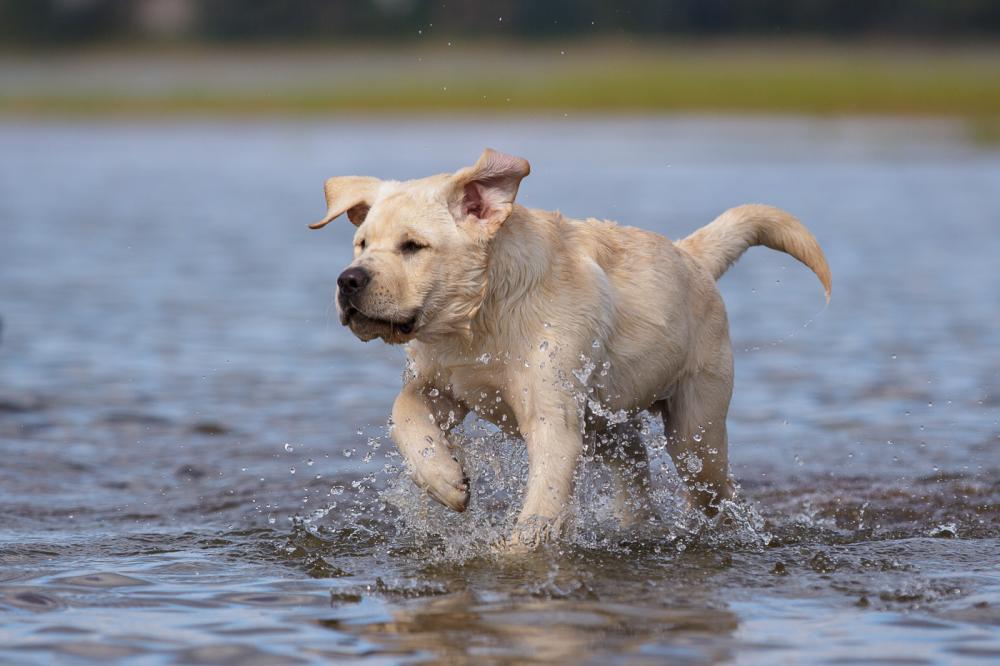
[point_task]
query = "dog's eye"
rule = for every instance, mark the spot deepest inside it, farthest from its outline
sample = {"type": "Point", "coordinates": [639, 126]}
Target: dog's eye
{"type": "Point", "coordinates": [410, 247]}
{"type": "Point", "coordinates": [362, 244]}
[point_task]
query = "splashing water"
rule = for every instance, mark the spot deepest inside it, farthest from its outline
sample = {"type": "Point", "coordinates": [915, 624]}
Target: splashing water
{"type": "Point", "coordinates": [496, 465]}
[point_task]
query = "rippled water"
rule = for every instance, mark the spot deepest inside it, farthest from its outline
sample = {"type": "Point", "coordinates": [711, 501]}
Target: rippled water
{"type": "Point", "coordinates": [194, 466]}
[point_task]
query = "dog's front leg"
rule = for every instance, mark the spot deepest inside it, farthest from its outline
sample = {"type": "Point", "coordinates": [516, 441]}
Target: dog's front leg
{"type": "Point", "coordinates": [419, 431]}
{"type": "Point", "coordinates": [554, 443]}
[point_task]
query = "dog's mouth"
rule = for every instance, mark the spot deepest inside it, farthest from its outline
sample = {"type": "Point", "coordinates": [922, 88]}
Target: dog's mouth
{"type": "Point", "coordinates": [391, 330]}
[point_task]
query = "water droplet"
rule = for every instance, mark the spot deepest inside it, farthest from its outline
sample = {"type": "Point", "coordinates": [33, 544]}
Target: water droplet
{"type": "Point", "coordinates": [289, 447]}
{"type": "Point", "coordinates": [309, 462]}
{"type": "Point", "coordinates": [696, 437]}
{"type": "Point", "coordinates": [544, 345]}
{"type": "Point", "coordinates": [596, 344]}
{"type": "Point", "coordinates": [945, 531]}
{"type": "Point", "coordinates": [291, 470]}
{"type": "Point", "coordinates": [434, 393]}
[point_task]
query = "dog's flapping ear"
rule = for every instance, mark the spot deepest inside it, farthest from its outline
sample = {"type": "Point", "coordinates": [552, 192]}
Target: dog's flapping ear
{"type": "Point", "coordinates": [351, 194]}
{"type": "Point", "coordinates": [484, 193]}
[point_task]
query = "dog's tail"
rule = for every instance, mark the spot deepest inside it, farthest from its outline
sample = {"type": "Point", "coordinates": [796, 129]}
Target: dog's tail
{"type": "Point", "coordinates": [718, 245]}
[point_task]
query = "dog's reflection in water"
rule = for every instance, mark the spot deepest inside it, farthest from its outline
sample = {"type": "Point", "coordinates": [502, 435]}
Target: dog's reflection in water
{"type": "Point", "coordinates": [461, 627]}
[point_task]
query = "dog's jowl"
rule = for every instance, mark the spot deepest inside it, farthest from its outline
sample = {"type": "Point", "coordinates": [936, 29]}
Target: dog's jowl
{"type": "Point", "coordinates": [500, 300]}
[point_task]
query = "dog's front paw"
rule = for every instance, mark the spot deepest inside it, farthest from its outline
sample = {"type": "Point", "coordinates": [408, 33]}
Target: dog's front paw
{"type": "Point", "coordinates": [444, 480]}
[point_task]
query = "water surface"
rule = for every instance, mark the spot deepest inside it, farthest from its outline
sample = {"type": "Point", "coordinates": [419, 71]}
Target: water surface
{"type": "Point", "coordinates": [194, 467]}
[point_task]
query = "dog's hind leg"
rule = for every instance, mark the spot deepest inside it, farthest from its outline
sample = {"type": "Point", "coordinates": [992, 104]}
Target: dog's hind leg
{"type": "Point", "coordinates": [622, 449]}
{"type": "Point", "coordinates": [695, 425]}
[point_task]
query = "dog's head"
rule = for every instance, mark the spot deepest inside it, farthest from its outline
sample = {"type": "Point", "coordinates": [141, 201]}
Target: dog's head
{"type": "Point", "coordinates": [421, 246]}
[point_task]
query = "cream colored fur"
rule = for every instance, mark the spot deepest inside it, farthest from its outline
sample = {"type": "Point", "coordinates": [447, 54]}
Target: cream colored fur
{"type": "Point", "coordinates": [505, 309]}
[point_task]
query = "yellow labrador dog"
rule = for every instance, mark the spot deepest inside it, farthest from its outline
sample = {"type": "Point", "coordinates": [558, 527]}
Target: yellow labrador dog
{"type": "Point", "coordinates": [558, 330]}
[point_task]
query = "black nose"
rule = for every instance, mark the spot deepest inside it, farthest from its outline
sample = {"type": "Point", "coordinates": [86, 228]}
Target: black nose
{"type": "Point", "coordinates": [353, 280]}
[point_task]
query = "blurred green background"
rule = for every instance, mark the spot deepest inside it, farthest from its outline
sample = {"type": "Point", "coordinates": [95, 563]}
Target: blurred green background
{"type": "Point", "coordinates": [923, 57]}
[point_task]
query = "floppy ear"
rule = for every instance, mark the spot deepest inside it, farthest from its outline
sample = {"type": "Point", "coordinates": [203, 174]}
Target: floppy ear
{"type": "Point", "coordinates": [484, 193]}
{"type": "Point", "coordinates": [351, 194]}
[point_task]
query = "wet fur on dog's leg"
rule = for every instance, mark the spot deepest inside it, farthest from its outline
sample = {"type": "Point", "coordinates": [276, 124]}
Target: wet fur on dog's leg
{"type": "Point", "coordinates": [697, 438]}
{"type": "Point", "coordinates": [417, 432]}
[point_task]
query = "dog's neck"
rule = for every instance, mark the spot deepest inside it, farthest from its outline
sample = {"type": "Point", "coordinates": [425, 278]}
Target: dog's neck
{"type": "Point", "coordinates": [523, 254]}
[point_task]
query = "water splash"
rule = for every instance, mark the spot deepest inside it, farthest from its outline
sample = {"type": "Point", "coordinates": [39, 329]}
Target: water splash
{"type": "Point", "coordinates": [496, 464]}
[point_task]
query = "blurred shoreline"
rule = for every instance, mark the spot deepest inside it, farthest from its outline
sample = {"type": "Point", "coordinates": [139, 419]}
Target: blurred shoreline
{"type": "Point", "coordinates": [681, 76]}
